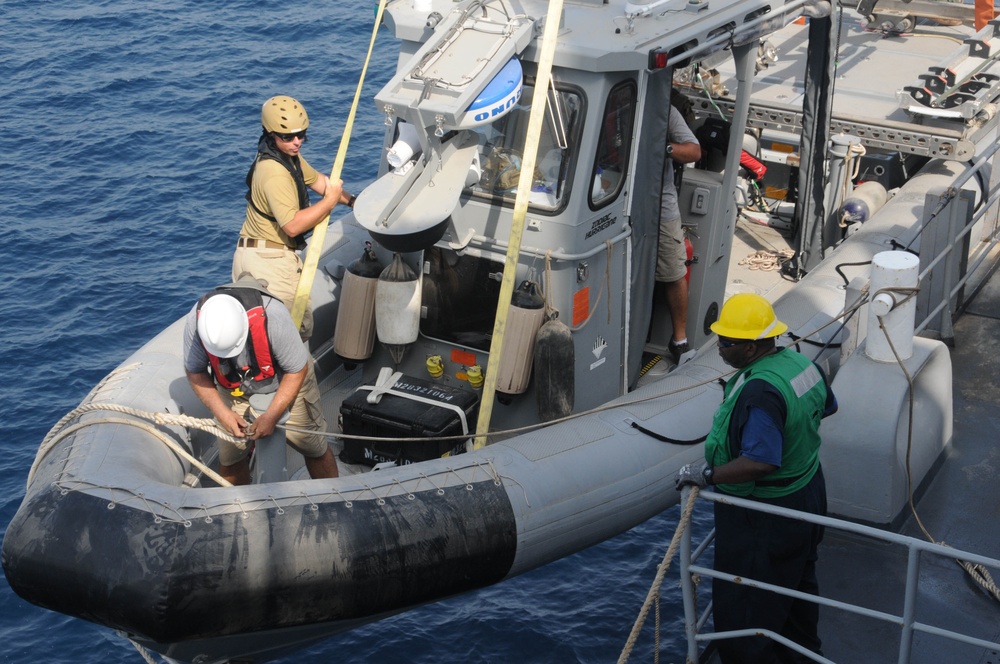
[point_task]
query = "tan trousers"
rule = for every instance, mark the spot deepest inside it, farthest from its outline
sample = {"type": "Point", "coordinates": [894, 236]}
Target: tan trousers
{"type": "Point", "coordinates": [280, 268]}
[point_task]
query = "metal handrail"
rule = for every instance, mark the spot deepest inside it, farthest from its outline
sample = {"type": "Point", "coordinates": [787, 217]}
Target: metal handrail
{"type": "Point", "coordinates": [907, 621]}
{"type": "Point", "coordinates": [978, 257]}
{"type": "Point", "coordinates": [990, 199]}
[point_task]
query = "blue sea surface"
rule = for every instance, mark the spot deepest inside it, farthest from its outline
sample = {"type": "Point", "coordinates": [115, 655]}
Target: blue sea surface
{"type": "Point", "coordinates": [127, 129]}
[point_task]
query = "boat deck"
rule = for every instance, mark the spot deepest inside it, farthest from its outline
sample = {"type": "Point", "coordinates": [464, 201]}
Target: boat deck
{"type": "Point", "coordinates": [959, 507]}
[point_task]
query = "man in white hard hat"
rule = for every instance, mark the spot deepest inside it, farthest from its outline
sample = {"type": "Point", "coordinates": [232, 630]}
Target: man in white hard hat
{"type": "Point", "coordinates": [247, 338]}
{"type": "Point", "coordinates": [279, 213]}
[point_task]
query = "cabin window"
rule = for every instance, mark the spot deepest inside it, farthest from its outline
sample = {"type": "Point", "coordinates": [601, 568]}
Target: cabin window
{"type": "Point", "coordinates": [459, 297]}
{"type": "Point", "coordinates": [501, 143]}
{"type": "Point", "coordinates": [614, 145]}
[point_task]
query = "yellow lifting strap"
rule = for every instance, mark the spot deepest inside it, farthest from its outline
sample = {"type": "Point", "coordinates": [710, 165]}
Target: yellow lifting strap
{"type": "Point", "coordinates": [528, 159]}
{"type": "Point", "coordinates": [319, 231]}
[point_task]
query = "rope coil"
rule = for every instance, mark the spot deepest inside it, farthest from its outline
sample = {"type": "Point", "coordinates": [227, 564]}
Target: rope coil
{"type": "Point", "coordinates": [767, 261]}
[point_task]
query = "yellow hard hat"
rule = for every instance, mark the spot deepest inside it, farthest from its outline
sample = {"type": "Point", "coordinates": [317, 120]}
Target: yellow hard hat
{"type": "Point", "coordinates": [748, 316]}
{"type": "Point", "coordinates": [284, 115]}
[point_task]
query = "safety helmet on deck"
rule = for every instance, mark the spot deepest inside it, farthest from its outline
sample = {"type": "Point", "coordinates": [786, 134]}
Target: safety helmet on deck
{"type": "Point", "coordinates": [748, 316]}
{"type": "Point", "coordinates": [284, 115]}
{"type": "Point", "coordinates": [223, 325]}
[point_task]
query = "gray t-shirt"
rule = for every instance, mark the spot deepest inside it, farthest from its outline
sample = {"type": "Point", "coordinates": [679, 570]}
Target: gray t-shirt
{"type": "Point", "coordinates": [287, 349]}
{"type": "Point", "coordinates": [679, 132]}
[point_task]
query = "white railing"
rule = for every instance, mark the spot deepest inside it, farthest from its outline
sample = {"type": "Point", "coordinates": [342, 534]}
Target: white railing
{"type": "Point", "coordinates": [907, 621]}
{"type": "Point", "coordinates": [951, 210]}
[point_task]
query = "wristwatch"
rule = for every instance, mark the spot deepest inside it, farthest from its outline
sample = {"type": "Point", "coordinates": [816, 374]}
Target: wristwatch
{"type": "Point", "coordinates": [350, 201]}
{"type": "Point", "coordinates": [708, 473]}
{"type": "Point", "coordinates": [670, 149]}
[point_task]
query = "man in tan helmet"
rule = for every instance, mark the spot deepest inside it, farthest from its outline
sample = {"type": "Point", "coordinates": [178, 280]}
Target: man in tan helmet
{"type": "Point", "coordinates": [279, 213]}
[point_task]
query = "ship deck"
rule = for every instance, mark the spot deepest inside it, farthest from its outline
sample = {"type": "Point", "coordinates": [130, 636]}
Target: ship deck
{"type": "Point", "coordinates": [959, 506]}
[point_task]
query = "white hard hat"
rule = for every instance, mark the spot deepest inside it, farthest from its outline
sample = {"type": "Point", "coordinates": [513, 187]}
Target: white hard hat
{"type": "Point", "coordinates": [223, 325]}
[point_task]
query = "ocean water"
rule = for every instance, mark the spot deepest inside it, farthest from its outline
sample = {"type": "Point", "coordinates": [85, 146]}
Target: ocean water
{"type": "Point", "coordinates": [127, 129]}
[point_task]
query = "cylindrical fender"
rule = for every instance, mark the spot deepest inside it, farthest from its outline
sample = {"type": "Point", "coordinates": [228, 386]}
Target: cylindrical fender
{"type": "Point", "coordinates": [527, 312]}
{"type": "Point", "coordinates": [555, 368]}
{"type": "Point", "coordinates": [397, 307]}
{"type": "Point", "coordinates": [354, 334]}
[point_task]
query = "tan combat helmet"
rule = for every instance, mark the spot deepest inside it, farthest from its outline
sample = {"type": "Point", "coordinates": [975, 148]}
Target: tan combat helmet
{"type": "Point", "coordinates": [284, 115]}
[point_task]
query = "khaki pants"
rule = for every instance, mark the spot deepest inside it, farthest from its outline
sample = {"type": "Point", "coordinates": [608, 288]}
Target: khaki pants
{"type": "Point", "coordinates": [281, 269]}
{"type": "Point", "coordinates": [671, 252]}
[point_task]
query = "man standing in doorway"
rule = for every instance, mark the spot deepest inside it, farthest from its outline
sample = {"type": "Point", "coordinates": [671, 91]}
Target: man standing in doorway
{"type": "Point", "coordinates": [671, 259]}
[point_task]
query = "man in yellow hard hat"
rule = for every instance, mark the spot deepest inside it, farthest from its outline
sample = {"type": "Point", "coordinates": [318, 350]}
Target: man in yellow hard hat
{"type": "Point", "coordinates": [764, 446]}
{"type": "Point", "coordinates": [279, 213]}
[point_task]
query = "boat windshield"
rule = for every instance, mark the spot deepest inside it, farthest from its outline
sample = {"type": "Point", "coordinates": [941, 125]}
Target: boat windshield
{"type": "Point", "coordinates": [501, 143]}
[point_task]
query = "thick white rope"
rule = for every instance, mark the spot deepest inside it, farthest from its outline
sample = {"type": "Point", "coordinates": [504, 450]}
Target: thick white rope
{"type": "Point", "coordinates": [653, 596]}
{"type": "Point", "coordinates": [60, 431]}
{"type": "Point", "coordinates": [145, 653]}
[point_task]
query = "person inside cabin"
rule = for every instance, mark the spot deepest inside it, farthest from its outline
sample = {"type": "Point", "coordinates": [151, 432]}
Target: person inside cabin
{"type": "Point", "coordinates": [764, 446]}
{"type": "Point", "coordinates": [240, 340]}
{"type": "Point", "coordinates": [671, 259]}
{"type": "Point", "coordinates": [278, 213]}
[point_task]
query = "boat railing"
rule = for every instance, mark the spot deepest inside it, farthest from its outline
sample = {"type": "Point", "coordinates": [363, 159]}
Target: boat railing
{"type": "Point", "coordinates": [475, 244]}
{"type": "Point", "coordinates": [907, 621]}
{"type": "Point", "coordinates": [949, 262]}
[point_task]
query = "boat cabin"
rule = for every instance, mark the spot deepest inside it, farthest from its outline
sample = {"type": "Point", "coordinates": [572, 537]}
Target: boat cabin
{"type": "Point", "coordinates": [445, 200]}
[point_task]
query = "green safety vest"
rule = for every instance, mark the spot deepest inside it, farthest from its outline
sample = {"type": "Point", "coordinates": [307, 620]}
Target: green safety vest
{"type": "Point", "coordinates": [801, 384]}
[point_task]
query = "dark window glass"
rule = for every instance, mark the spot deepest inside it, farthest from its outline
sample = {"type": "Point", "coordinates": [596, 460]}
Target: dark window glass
{"type": "Point", "coordinates": [460, 294]}
{"type": "Point", "coordinates": [614, 145]}
{"type": "Point", "coordinates": [501, 143]}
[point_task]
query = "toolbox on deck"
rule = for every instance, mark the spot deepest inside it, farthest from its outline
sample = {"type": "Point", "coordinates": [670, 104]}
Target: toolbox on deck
{"type": "Point", "coordinates": [414, 408]}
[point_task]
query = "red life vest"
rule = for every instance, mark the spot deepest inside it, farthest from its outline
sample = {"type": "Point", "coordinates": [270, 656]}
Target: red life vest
{"type": "Point", "coordinates": [259, 376]}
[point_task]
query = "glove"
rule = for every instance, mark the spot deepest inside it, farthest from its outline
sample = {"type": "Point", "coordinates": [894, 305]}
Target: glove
{"type": "Point", "coordinates": [691, 474]}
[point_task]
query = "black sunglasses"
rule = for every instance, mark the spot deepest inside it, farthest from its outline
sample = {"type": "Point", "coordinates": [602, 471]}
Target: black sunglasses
{"type": "Point", "coordinates": [730, 344]}
{"type": "Point", "coordinates": [289, 137]}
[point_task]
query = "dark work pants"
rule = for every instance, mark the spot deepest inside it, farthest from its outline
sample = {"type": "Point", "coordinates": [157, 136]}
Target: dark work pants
{"type": "Point", "coordinates": [778, 551]}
